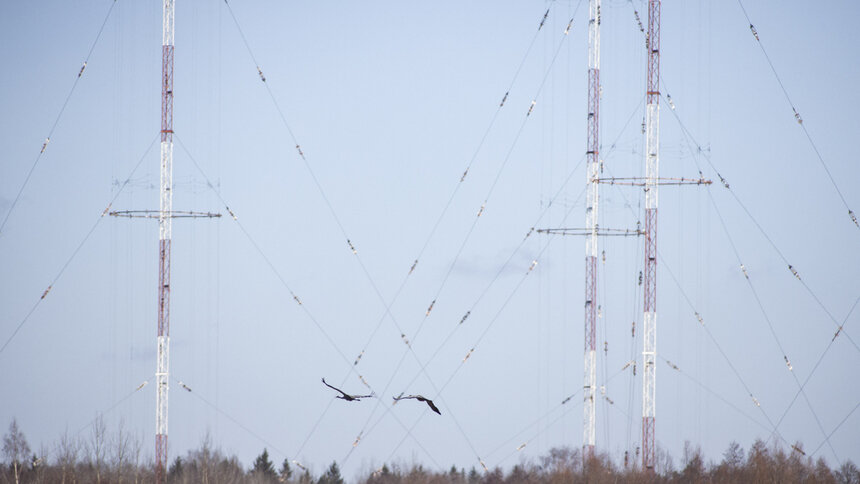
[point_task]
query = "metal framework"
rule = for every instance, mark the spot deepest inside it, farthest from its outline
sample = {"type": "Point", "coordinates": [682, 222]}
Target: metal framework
{"type": "Point", "coordinates": [165, 222]}
{"type": "Point", "coordinates": [652, 165]}
{"type": "Point", "coordinates": [591, 224]}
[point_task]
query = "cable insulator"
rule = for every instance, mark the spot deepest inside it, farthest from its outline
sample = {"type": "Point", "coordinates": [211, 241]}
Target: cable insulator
{"type": "Point", "coordinates": [794, 271]}
{"type": "Point", "coordinates": [465, 316]}
{"type": "Point", "coordinates": [504, 98]}
{"type": "Point", "coordinates": [46, 291]}
{"type": "Point", "coordinates": [569, 26]}
{"type": "Point", "coordinates": [543, 20]}
{"type": "Point", "coordinates": [755, 400]}
{"type": "Point", "coordinates": [744, 270]}
{"type": "Point", "coordinates": [45, 145]}
{"type": "Point", "coordinates": [521, 446]}
{"type": "Point", "coordinates": [231, 213]}
{"type": "Point", "coordinates": [404, 338]}
{"type": "Point", "coordinates": [797, 116]}
{"type": "Point", "coordinates": [465, 172]}
{"type": "Point", "coordinates": [483, 465]}
{"type": "Point", "coordinates": [566, 400]}
{"type": "Point", "coordinates": [611, 402]}
{"type": "Point", "coordinates": [603, 256]}
{"type": "Point", "coordinates": [853, 217]}
{"type": "Point", "coordinates": [531, 108]}
{"type": "Point", "coordinates": [351, 247]}
{"type": "Point", "coordinates": [107, 209]}
{"type": "Point", "coordinates": [297, 463]}
{"type": "Point", "coordinates": [297, 300]}
{"type": "Point", "coordinates": [483, 206]}
{"type": "Point", "coordinates": [358, 358]}
{"type": "Point", "coordinates": [755, 34]}
{"type": "Point", "coordinates": [531, 267]}
{"type": "Point", "coordinates": [669, 100]}
{"type": "Point", "coordinates": [145, 382]}
{"type": "Point", "coordinates": [798, 449]}
{"type": "Point", "coordinates": [184, 386]}
{"type": "Point", "coordinates": [626, 365]}
{"type": "Point", "coordinates": [412, 269]}
{"type": "Point", "coordinates": [699, 317]}
{"type": "Point", "coordinates": [836, 335]}
{"type": "Point", "coordinates": [788, 363]}
{"type": "Point", "coordinates": [468, 355]}
{"type": "Point", "coordinates": [674, 366]}
{"type": "Point", "coordinates": [301, 153]}
{"type": "Point", "coordinates": [432, 303]}
{"type": "Point", "coordinates": [81, 72]}
{"type": "Point", "coordinates": [260, 72]}
{"type": "Point", "coordinates": [638, 20]}
{"type": "Point", "coordinates": [634, 368]}
{"type": "Point", "coordinates": [360, 377]}
{"type": "Point", "coordinates": [357, 440]}
{"type": "Point", "coordinates": [531, 230]}
{"type": "Point", "coordinates": [640, 278]}
{"type": "Point", "coordinates": [633, 330]}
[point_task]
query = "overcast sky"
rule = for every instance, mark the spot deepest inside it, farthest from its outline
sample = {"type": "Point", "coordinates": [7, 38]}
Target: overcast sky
{"type": "Point", "coordinates": [390, 102]}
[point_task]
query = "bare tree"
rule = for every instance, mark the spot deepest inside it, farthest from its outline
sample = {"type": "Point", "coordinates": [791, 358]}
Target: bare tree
{"type": "Point", "coordinates": [67, 452]}
{"type": "Point", "coordinates": [97, 447]}
{"type": "Point", "coordinates": [15, 449]}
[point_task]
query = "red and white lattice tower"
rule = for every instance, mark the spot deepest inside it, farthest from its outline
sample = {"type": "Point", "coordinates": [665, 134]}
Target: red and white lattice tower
{"type": "Point", "coordinates": [652, 166]}
{"type": "Point", "coordinates": [164, 235]}
{"type": "Point", "coordinates": [591, 227]}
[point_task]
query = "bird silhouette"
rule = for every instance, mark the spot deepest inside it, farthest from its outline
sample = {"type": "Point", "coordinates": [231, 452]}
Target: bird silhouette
{"type": "Point", "coordinates": [346, 396]}
{"type": "Point", "coordinates": [420, 398]}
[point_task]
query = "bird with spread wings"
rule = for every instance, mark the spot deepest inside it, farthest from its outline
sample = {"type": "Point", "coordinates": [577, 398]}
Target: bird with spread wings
{"type": "Point", "coordinates": [346, 396]}
{"type": "Point", "coordinates": [420, 398]}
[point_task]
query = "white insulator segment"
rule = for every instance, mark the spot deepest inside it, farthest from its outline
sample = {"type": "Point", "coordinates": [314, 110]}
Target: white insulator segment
{"type": "Point", "coordinates": [594, 34]}
{"type": "Point", "coordinates": [649, 356]}
{"type": "Point", "coordinates": [652, 150]}
{"type": "Point", "coordinates": [166, 205]}
{"type": "Point", "coordinates": [162, 376]}
{"type": "Point", "coordinates": [588, 419]}
{"type": "Point", "coordinates": [521, 447]}
{"type": "Point", "coordinates": [167, 30]}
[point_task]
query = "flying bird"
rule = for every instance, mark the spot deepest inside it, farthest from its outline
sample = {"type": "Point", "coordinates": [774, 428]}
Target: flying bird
{"type": "Point", "coordinates": [345, 396]}
{"type": "Point", "coordinates": [420, 398]}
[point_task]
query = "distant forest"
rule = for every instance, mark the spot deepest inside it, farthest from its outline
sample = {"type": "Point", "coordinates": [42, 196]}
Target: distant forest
{"type": "Point", "coordinates": [117, 457]}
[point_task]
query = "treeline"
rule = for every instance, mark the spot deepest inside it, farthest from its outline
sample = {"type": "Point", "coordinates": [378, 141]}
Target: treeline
{"type": "Point", "coordinates": [117, 457]}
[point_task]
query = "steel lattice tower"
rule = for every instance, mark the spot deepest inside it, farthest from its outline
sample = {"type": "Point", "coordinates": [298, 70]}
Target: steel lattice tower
{"type": "Point", "coordinates": [652, 166]}
{"type": "Point", "coordinates": [164, 235]}
{"type": "Point", "coordinates": [591, 227]}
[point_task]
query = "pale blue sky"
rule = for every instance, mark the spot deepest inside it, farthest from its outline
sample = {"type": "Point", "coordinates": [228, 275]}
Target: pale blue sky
{"type": "Point", "coordinates": [389, 102]}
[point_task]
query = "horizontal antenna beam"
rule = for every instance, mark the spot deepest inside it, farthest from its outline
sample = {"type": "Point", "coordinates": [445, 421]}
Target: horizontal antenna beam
{"type": "Point", "coordinates": [155, 214]}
